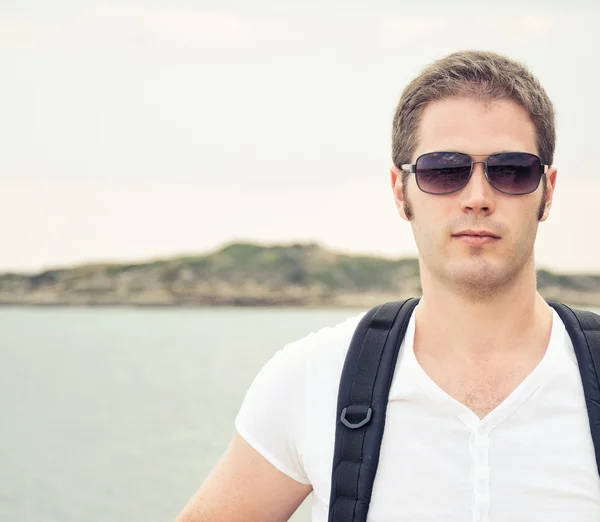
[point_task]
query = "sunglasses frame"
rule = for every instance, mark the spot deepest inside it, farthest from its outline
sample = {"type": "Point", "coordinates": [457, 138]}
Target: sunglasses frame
{"type": "Point", "coordinates": [411, 168]}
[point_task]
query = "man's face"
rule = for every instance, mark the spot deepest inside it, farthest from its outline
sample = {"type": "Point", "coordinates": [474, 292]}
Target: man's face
{"type": "Point", "coordinates": [478, 129]}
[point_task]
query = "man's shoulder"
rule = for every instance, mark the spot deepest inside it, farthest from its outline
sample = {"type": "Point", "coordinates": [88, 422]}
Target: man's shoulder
{"type": "Point", "coordinates": [331, 337]}
{"type": "Point", "coordinates": [325, 349]}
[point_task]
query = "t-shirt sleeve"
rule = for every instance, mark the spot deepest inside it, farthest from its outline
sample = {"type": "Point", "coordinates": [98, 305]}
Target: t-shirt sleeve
{"type": "Point", "coordinates": [272, 418]}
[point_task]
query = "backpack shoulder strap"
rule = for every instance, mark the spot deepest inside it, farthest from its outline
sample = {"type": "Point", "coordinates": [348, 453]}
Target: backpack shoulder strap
{"type": "Point", "coordinates": [362, 402]}
{"type": "Point", "coordinates": [583, 328]}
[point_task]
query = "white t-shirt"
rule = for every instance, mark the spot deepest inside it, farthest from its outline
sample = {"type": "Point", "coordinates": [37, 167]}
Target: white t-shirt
{"type": "Point", "coordinates": [530, 459]}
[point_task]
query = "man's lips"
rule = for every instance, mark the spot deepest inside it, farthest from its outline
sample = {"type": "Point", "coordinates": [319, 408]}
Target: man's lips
{"type": "Point", "coordinates": [480, 233]}
{"type": "Point", "coordinates": [476, 237]}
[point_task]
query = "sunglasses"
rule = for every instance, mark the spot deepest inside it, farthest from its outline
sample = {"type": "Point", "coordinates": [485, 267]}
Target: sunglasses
{"type": "Point", "coordinates": [514, 173]}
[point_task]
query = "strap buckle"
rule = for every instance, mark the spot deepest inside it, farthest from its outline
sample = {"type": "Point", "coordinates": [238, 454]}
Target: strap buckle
{"type": "Point", "coordinates": [356, 412]}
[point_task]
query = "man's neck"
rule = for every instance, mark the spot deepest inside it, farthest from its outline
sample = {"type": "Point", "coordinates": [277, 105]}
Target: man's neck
{"type": "Point", "coordinates": [511, 319]}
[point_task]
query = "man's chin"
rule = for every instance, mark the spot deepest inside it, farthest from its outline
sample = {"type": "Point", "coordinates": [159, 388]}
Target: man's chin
{"type": "Point", "coordinates": [479, 275]}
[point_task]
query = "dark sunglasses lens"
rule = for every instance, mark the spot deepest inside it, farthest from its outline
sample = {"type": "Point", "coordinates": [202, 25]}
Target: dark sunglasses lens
{"type": "Point", "coordinates": [442, 172]}
{"type": "Point", "coordinates": [514, 172]}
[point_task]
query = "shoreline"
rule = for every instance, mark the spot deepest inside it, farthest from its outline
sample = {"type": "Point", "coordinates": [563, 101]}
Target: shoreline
{"type": "Point", "coordinates": [581, 300]}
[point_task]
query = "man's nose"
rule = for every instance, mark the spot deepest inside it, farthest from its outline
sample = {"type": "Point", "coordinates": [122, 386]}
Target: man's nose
{"type": "Point", "coordinates": [478, 194]}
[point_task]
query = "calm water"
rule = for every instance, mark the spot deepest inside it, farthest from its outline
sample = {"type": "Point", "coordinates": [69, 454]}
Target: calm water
{"type": "Point", "coordinates": [119, 414]}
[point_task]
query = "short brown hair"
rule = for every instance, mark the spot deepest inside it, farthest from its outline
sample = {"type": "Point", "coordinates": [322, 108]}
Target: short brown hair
{"type": "Point", "coordinates": [481, 75]}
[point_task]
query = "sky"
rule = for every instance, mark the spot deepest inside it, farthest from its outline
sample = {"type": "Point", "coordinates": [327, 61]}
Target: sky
{"type": "Point", "coordinates": [141, 130]}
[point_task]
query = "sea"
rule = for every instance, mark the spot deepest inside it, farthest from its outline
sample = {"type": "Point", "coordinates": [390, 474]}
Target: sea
{"type": "Point", "coordinates": [119, 414]}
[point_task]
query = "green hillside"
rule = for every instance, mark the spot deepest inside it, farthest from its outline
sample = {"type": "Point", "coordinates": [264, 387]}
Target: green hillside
{"type": "Point", "coordinates": [250, 274]}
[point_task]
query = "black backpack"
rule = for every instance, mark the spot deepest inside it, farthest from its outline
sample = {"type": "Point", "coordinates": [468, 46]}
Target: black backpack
{"type": "Point", "coordinates": [365, 385]}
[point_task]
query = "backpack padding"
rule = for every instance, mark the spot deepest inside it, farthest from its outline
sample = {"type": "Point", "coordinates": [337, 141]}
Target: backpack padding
{"type": "Point", "coordinates": [583, 328]}
{"type": "Point", "coordinates": [362, 402]}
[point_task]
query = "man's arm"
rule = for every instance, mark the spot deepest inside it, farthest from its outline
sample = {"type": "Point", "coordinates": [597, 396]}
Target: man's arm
{"type": "Point", "coordinates": [245, 487]}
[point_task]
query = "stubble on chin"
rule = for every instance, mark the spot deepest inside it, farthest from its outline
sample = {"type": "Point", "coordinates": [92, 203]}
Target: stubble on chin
{"type": "Point", "coordinates": [481, 281]}
{"type": "Point", "coordinates": [479, 275]}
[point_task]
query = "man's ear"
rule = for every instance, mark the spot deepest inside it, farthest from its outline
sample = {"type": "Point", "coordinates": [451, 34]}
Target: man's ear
{"type": "Point", "coordinates": [398, 191]}
{"type": "Point", "coordinates": [551, 176]}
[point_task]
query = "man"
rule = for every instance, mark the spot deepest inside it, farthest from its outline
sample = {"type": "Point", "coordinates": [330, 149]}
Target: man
{"type": "Point", "coordinates": [486, 417]}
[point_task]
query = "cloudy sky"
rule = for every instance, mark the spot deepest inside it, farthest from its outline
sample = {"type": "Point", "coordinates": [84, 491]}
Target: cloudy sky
{"type": "Point", "coordinates": [133, 130]}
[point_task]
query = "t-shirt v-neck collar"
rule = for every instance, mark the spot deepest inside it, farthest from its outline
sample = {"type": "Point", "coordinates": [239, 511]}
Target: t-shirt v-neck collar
{"type": "Point", "coordinates": [509, 405]}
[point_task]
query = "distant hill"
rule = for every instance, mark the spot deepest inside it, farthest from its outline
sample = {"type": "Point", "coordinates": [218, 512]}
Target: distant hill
{"type": "Point", "coordinates": [243, 274]}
